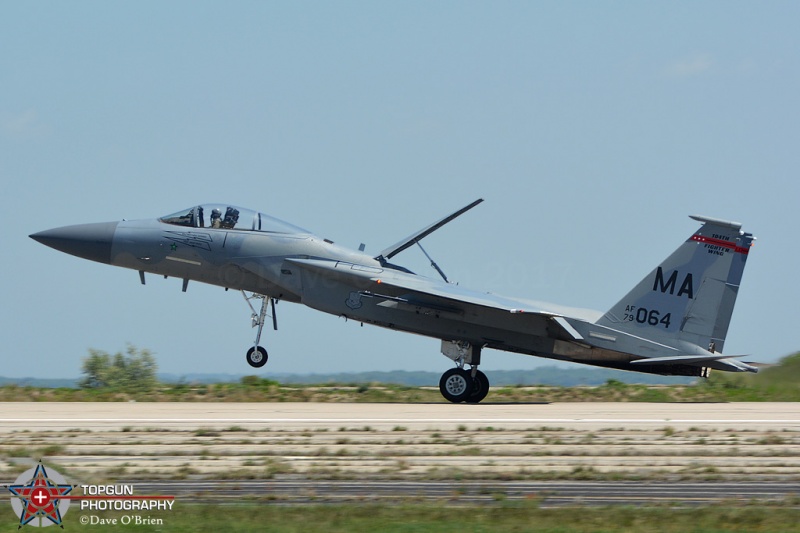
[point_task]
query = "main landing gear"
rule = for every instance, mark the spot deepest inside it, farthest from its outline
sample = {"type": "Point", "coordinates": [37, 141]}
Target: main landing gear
{"type": "Point", "coordinates": [257, 356]}
{"type": "Point", "coordinates": [459, 384]}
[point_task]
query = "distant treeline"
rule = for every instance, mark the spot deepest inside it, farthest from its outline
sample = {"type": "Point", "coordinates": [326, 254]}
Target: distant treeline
{"type": "Point", "coordinates": [132, 376]}
{"type": "Point", "coordinates": [137, 370]}
{"type": "Point", "coordinates": [546, 375]}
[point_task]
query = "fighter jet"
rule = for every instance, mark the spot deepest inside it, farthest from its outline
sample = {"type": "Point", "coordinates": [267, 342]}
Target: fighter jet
{"type": "Point", "coordinates": [673, 322]}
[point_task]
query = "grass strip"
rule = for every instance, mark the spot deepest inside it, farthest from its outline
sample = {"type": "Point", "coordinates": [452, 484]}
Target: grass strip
{"type": "Point", "coordinates": [443, 518]}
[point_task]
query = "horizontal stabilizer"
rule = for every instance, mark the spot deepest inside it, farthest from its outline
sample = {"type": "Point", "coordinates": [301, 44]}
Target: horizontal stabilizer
{"type": "Point", "coordinates": [709, 360]}
{"type": "Point", "coordinates": [717, 222]}
{"type": "Point", "coordinates": [409, 241]}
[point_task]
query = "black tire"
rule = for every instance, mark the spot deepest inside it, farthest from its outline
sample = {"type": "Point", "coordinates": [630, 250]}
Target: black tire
{"type": "Point", "coordinates": [456, 385]}
{"type": "Point", "coordinates": [480, 388]}
{"type": "Point", "coordinates": [257, 356]}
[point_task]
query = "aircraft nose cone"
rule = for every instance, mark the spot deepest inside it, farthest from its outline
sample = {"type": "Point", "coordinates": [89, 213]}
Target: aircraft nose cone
{"type": "Point", "coordinates": [89, 241]}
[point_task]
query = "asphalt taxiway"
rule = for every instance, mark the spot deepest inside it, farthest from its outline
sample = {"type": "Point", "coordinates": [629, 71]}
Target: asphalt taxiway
{"type": "Point", "coordinates": [546, 493]}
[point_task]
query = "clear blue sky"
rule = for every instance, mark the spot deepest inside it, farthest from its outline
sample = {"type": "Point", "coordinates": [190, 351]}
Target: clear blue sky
{"type": "Point", "coordinates": [592, 129]}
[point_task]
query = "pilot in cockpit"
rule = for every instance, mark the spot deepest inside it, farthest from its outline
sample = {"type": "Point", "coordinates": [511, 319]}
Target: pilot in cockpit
{"type": "Point", "coordinates": [216, 218]}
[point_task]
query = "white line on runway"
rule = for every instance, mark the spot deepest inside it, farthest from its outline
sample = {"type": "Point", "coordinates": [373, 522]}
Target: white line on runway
{"type": "Point", "coordinates": [410, 420]}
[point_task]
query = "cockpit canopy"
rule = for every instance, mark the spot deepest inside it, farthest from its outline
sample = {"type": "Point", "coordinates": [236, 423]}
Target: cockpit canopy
{"type": "Point", "coordinates": [223, 216]}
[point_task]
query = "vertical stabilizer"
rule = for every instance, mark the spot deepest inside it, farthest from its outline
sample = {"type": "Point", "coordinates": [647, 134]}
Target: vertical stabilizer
{"type": "Point", "coordinates": [691, 294]}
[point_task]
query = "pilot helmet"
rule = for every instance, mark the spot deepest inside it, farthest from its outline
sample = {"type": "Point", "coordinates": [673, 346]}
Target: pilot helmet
{"type": "Point", "coordinates": [216, 213]}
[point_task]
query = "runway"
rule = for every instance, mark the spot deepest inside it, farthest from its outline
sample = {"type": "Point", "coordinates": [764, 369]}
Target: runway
{"type": "Point", "coordinates": [297, 453]}
{"type": "Point", "coordinates": [36, 416]}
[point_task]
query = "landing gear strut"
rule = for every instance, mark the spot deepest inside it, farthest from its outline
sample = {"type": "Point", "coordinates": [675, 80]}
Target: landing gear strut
{"type": "Point", "coordinates": [459, 384]}
{"type": "Point", "coordinates": [256, 355]}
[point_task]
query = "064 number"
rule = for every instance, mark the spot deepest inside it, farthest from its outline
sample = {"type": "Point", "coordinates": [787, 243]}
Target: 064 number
{"type": "Point", "coordinates": [649, 316]}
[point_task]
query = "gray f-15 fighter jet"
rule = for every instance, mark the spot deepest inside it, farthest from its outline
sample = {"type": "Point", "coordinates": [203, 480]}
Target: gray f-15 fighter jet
{"type": "Point", "coordinates": [673, 322]}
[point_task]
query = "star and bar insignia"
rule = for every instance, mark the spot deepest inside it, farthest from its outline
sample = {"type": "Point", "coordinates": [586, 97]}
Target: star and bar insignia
{"type": "Point", "coordinates": [40, 497]}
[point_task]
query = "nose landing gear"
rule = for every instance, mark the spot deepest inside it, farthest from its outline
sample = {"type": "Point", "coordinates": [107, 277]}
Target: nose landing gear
{"type": "Point", "coordinates": [256, 355]}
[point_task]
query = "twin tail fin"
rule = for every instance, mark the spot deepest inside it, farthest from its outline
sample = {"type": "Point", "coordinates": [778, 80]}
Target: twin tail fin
{"type": "Point", "coordinates": [689, 296]}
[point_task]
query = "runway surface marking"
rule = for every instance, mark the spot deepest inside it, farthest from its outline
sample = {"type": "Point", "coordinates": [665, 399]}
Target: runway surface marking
{"type": "Point", "coordinates": [473, 420]}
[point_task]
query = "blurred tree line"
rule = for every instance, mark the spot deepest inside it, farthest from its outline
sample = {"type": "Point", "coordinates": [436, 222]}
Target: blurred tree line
{"type": "Point", "coordinates": [135, 370]}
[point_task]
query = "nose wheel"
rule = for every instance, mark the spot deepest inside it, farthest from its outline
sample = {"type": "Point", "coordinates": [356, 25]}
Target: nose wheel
{"type": "Point", "coordinates": [257, 356]}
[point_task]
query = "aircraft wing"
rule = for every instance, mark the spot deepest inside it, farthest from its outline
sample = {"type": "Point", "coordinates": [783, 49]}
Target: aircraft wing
{"type": "Point", "coordinates": [413, 293]}
{"type": "Point", "coordinates": [513, 315]}
{"type": "Point", "coordinates": [424, 289]}
{"type": "Point", "coordinates": [418, 289]}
